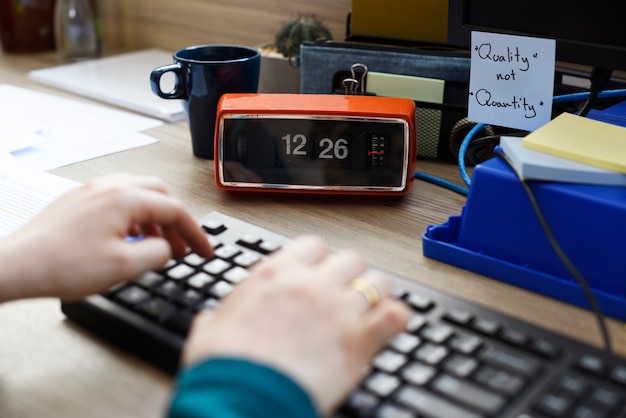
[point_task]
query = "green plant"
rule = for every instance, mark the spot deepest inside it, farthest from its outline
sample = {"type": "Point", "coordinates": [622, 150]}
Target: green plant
{"type": "Point", "coordinates": [293, 33]}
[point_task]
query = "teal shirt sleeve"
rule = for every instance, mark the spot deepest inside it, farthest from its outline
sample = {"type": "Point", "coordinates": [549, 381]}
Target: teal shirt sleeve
{"type": "Point", "coordinates": [237, 388]}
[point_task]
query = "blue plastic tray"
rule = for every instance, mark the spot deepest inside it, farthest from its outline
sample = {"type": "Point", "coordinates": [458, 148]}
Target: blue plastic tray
{"type": "Point", "coordinates": [498, 235]}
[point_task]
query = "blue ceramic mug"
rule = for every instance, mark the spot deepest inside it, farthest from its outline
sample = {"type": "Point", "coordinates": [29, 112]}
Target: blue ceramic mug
{"type": "Point", "coordinates": [202, 74]}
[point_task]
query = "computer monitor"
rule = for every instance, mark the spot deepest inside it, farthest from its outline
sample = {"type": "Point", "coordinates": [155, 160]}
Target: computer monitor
{"type": "Point", "coordinates": [592, 34]}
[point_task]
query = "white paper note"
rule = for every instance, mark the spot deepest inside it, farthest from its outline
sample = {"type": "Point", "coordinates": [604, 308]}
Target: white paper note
{"type": "Point", "coordinates": [70, 130]}
{"type": "Point", "coordinates": [511, 80]}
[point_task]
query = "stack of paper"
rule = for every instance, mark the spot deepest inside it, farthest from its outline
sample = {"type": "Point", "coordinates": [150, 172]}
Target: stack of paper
{"type": "Point", "coordinates": [536, 165]}
{"type": "Point", "coordinates": [571, 149]}
{"type": "Point", "coordinates": [121, 80]}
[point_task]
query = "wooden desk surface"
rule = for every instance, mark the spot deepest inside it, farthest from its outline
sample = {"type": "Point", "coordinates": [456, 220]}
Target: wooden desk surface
{"type": "Point", "coordinates": [51, 368]}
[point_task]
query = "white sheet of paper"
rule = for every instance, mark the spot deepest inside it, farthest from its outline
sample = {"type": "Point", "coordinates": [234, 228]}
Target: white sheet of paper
{"type": "Point", "coordinates": [25, 191]}
{"type": "Point", "coordinates": [72, 130]}
{"type": "Point", "coordinates": [511, 80]}
{"type": "Point", "coordinates": [21, 133]}
{"type": "Point", "coordinates": [121, 80]}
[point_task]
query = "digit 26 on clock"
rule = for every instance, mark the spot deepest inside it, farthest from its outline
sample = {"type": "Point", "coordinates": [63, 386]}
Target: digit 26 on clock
{"type": "Point", "coordinates": [310, 143]}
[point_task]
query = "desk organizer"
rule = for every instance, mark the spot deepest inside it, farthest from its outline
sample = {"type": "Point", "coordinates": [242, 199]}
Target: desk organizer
{"type": "Point", "coordinates": [498, 235]}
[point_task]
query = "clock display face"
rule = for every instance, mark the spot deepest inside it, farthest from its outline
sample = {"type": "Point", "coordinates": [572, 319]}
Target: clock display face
{"type": "Point", "coordinates": [314, 151]}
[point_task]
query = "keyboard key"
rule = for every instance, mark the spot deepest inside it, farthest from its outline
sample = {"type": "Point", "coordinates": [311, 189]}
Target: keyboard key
{"type": "Point", "coordinates": [255, 242]}
{"type": "Point", "coordinates": [592, 364]}
{"type": "Point", "coordinates": [554, 405]}
{"type": "Point", "coordinates": [618, 374]}
{"type": "Point", "coordinates": [382, 384]}
{"type": "Point", "coordinates": [168, 289]}
{"type": "Point", "coordinates": [419, 302]}
{"type": "Point", "coordinates": [431, 405]}
{"type": "Point", "coordinates": [460, 365]}
{"type": "Point", "coordinates": [485, 326]}
{"type": "Point", "coordinates": [571, 385]}
{"type": "Point", "coordinates": [604, 399]}
{"type": "Point", "coordinates": [431, 353]}
{"type": "Point", "coordinates": [199, 280]}
{"type": "Point", "coordinates": [518, 363]}
{"type": "Point", "coordinates": [268, 247]}
{"type": "Point", "coordinates": [247, 259]}
{"type": "Point", "coordinates": [236, 274]}
{"type": "Point", "coordinates": [465, 343]}
{"type": "Point", "coordinates": [189, 298]}
{"type": "Point", "coordinates": [210, 303]}
{"type": "Point", "coordinates": [500, 380]}
{"type": "Point", "coordinates": [180, 271]}
{"type": "Point", "coordinates": [132, 295]}
{"type": "Point", "coordinates": [149, 279]}
{"type": "Point", "coordinates": [459, 316]}
{"type": "Point", "coordinates": [216, 266]}
{"type": "Point", "coordinates": [157, 308]}
{"type": "Point", "coordinates": [513, 336]}
{"type": "Point", "coordinates": [362, 402]}
{"type": "Point", "coordinates": [468, 393]}
{"type": "Point", "coordinates": [194, 259]}
{"type": "Point", "coordinates": [544, 348]}
{"type": "Point", "coordinates": [227, 251]}
{"type": "Point", "coordinates": [221, 289]}
{"type": "Point", "coordinates": [249, 240]}
{"type": "Point", "coordinates": [416, 322]}
{"type": "Point", "coordinates": [437, 333]}
{"type": "Point", "coordinates": [180, 321]}
{"type": "Point", "coordinates": [418, 373]}
{"type": "Point", "coordinates": [392, 411]}
{"type": "Point", "coordinates": [213, 227]}
{"type": "Point", "coordinates": [404, 342]}
{"type": "Point", "coordinates": [389, 361]}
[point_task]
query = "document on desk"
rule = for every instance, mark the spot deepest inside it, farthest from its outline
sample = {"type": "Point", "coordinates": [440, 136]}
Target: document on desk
{"type": "Point", "coordinates": [25, 191]}
{"type": "Point", "coordinates": [69, 131]}
{"type": "Point", "coordinates": [121, 80]}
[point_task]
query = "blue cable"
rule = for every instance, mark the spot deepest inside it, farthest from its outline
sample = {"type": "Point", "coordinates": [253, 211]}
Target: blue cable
{"type": "Point", "coordinates": [441, 182]}
{"type": "Point", "coordinates": [557, 99]}
{"type": "Point", "coordinates": [463, 150]}
{"type": "Point", "coordinates": [577, 97]}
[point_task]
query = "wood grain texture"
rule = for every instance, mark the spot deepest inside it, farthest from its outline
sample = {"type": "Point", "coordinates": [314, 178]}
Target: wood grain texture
{"type": "Point", "coordinates": [137, 24]}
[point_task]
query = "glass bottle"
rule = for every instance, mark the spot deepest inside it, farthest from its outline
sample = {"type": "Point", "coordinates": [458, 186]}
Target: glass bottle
{"type": "Point", "coordinates": [76, 30]}
{"type": "Point", "coordinates": [26, 25]}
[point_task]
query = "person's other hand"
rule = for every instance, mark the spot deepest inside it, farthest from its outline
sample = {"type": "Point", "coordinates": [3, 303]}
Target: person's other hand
{"type": "Point", "coordinates": [298, 313]}
{"type": "Point", "coordinates": [79, 244]}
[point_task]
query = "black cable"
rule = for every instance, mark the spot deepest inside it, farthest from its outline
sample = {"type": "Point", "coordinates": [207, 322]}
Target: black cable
{"type": "Point", "coordinates": [591, 299]}
{"type": "Point", "coordinates": [599, 78]}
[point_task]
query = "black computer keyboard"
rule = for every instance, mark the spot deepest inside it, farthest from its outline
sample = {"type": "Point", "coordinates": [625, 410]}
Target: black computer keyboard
{"type": "Point", "coordinates": [455, 359]}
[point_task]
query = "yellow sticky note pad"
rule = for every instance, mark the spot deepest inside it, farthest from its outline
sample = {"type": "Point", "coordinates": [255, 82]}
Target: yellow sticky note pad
{"type": "Point", "coordinates": [581, 139]}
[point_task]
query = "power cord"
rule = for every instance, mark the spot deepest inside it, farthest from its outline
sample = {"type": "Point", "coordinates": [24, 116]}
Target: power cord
{"type": "Point", "coordinates": [599, 78]}
{"type": "Point", "coordinates": [591, 299]}
{"type": "Point", "coordinates": [441, 182]}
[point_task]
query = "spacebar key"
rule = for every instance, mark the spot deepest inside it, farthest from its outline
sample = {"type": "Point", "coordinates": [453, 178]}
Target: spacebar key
{"type": "Point", "coordinates": [468, 393]}
{"type": "Point", "coordinates": [431, 405]}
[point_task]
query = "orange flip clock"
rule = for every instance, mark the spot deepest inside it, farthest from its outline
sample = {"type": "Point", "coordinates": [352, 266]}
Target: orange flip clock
{"type": "Point", "coordinates": [310, 143]}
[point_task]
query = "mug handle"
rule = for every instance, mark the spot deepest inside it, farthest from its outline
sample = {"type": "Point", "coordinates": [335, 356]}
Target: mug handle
{"type": "Point", "coordinates": [180, 85]}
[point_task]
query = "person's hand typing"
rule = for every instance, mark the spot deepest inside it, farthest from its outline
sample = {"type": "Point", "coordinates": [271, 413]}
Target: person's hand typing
{"type": "Point", "coordinates": [299, 312]}
{"type": "Point", "coordinates": [79, 244]}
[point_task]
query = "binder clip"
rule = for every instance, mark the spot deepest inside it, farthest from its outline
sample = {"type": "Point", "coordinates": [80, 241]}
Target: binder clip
{"type": "Point", "coordinates": [353, 86]}
{"type": "Point", "coordinates": [353, 83]}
